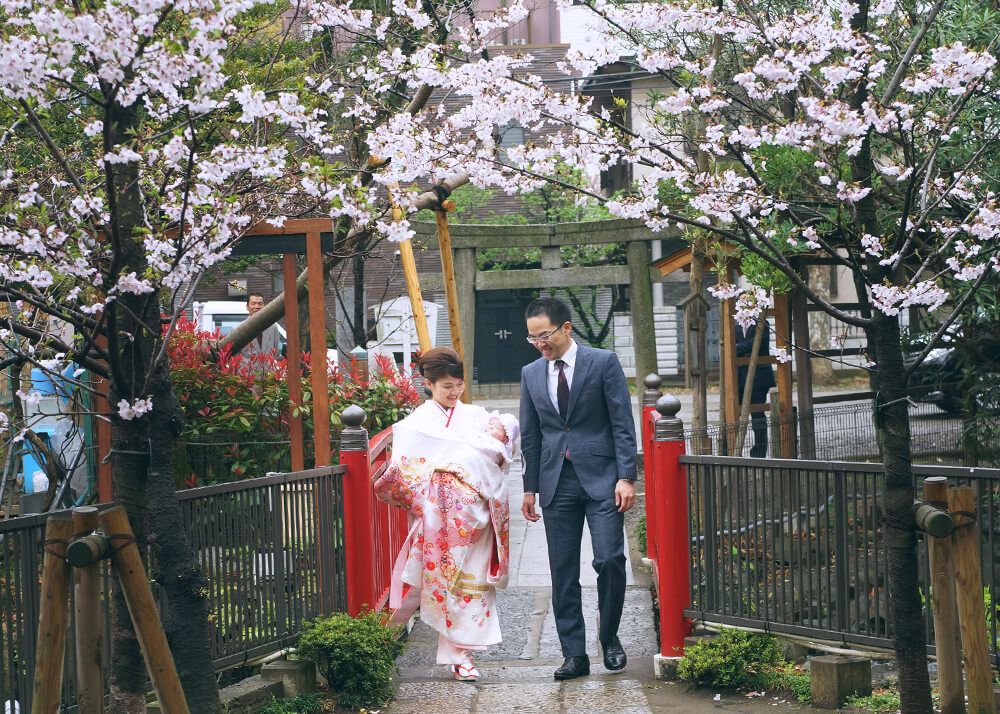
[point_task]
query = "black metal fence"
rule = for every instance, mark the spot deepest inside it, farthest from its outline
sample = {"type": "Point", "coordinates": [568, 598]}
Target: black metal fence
{"type": "Point", "coordinates": [796, 546]}
{"type": "Point", "coordinates": [846, 432]}
{"type": "Point", "coordinates": [272, 549]}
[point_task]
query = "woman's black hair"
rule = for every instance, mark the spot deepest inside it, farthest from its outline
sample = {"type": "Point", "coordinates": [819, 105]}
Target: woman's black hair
{"type": "Point", "coordinates": [441, 362]}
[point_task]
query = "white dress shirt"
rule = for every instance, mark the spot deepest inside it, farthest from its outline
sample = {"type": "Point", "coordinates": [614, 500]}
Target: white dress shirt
{"type": "Point", "coordinates": [570, 359]}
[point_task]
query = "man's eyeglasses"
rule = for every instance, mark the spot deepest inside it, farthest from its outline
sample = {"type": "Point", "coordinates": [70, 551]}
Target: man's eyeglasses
{"type": "Point", "coordinates": [542, 338]}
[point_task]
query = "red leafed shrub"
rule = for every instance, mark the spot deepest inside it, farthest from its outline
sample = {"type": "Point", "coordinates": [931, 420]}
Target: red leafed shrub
{"type": "Point", "coordinates": [236, 408]}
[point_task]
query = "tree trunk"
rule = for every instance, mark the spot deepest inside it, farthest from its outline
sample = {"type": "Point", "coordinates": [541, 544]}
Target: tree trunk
{"type": "Point", "coordinates": [186, 611]}
{"type": "Point", "coordinates": [142, 466]}
{"type": "Point", "coordinates": [359, 321]}
{"type": "Point", "coordinates": [819, 324]}
{"type": "Point", "coordinates": [696, 343]}
{"type": "Point", "coordinates": [893, 424]}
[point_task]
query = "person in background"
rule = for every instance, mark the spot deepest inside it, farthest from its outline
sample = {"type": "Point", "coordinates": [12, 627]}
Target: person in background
{"type": "Point", "coordinates": [267, 342]}
{"type": "Point", "coordinates": [763, 382]}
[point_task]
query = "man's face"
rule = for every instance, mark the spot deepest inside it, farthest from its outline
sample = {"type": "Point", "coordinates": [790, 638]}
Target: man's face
{"type": "Point", "coordinates": [551, 340]}
{"type": "Point", "coordinates": [254, 304]}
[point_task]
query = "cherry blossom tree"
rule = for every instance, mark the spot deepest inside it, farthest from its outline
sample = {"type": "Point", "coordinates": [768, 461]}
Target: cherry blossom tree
{"type": "Point", "coordinates": [862, 132]}
{"type": "Point", "coordinates": [144, 138]}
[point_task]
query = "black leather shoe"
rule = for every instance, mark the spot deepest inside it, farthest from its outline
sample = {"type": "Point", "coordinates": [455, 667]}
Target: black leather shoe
{"type": "Point", "coordinates": [574, 667]}
{"type": "Point", "coordinates": [614, 655]}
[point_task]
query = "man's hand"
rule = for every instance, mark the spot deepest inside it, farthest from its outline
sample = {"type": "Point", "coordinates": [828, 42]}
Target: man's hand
{"type": "Point", "coordinates": [624, 495]}
{"type": "Point", "coordinates": [528, 508]}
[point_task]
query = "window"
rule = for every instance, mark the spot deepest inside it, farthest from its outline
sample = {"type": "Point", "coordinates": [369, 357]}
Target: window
{"type": "Point", "coordinates": [511, 134]}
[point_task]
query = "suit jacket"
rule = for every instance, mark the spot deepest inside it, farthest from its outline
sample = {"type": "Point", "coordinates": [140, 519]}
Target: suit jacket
{"type": "Point", "coordinates": [763, 377]}
{"type": "Point", "coordinates": [270, 344]}
{"type": "Point", "coordinates": [598, 431]}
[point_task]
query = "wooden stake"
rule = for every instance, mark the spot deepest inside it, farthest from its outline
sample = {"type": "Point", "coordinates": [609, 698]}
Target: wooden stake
{"type": "Point", "coordinates": [782, 333]}
{"type": "Point", "coordinates": [947, 639]}
{"type": "Point", "coordinates": [728, 375]}
{"type": "Point", "coordinates": [317, 339]}
{"type": "Point", "coordinates": [89, 630]}
{"type": "Point", "coordinates": [142, 609]}
{"type": "Point", "coordinates": [451, 293]}
{"type": "Point", "coordinates": [969, 587]}
{"type": "Point", "coordinates": [293, 358]}
{"type": "Point", "coordinates": [54, 617]}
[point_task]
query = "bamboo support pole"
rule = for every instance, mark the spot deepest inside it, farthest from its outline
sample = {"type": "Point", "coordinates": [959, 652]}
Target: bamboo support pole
{"type": "Point", "coordinates": [53, 617]}
{"type": "Point", "coordinates": [946, 633]}
{"type": "Point", "coordinates": [142, 609]}
{"type": "Point", "coordinates": [409, 264]}
{"type": "Point", "coordinates": [969, 587]}
{"type": "Point", "coordinates": [451, 290]}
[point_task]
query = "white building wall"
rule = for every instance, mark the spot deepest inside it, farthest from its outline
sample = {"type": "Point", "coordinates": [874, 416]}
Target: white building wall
{"type": "Point", "coordinates": [665, 325]}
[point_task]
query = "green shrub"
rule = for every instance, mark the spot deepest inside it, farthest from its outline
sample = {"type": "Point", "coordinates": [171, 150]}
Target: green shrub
{"type": "Point", "coordinates": [733, 660]}
{"type": "Point", "coordinates": [356, 655]}
{"type": "Point", "coordinates": [302, 704]}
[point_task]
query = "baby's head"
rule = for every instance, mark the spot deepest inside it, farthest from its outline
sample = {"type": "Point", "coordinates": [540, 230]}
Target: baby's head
{"type": "Point", "coordinates": [496, 429]}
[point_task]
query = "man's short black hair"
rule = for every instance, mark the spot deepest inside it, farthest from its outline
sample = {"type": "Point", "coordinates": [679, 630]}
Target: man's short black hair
{"type": "Point", "coordinates": [253, 295]}
{"type": "Point", "coordinates": [553, 308]}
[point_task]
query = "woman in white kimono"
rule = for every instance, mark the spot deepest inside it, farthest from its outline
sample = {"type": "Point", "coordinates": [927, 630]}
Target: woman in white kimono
{"type": "Point", "coordinates": [448, 465]}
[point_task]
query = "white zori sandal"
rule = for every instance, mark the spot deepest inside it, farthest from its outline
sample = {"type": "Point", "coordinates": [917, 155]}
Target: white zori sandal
{"type": "Point", "coordinates": [466, 672]}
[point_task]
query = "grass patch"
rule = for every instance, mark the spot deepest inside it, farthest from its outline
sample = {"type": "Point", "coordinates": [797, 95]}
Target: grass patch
{"type": "Point", "coordinates": [302, 704]}
{"type": "Point", "coordinates": [881, 700]}
{"type": "Point", "coordinates": [795, 680]}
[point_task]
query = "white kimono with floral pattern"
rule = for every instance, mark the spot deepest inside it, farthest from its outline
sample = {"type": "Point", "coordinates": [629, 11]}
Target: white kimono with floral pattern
{"type": "Point", "coordinates": [449, 473]}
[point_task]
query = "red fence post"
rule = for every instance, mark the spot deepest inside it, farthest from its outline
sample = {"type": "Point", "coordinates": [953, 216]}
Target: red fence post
{"type": "Point", "coordinates": [359, 536]}
{"type": "Point", "coordinates": [673, 547]}
{"type": "Point", "coordinates": [649, 397]}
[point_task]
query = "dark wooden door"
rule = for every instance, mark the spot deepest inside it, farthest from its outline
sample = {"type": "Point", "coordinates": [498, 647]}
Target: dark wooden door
{"type": "Point", "coordinates": [501, 347]}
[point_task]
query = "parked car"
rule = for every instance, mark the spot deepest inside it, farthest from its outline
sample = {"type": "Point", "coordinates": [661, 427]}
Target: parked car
{"type": "Point", "coordinates": [939, 379]}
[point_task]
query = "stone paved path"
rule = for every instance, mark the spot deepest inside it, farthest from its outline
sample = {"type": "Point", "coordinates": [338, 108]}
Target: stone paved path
{"type": "Point", "coordinates": [517, 673]}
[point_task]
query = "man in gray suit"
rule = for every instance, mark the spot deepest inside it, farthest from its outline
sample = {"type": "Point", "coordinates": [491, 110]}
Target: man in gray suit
{"type": "Point", "coordinates": [578, 442]}
{"type": "Point", "coordinates": [269, 341]}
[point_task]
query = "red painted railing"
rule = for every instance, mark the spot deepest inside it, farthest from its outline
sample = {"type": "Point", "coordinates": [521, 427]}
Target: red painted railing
{"type": "Point", "coordinates": [373, 531]}
{"type": "Point", "coordinates": [668, 534]}
{"type": "Point", "coordinates": [648, 426]}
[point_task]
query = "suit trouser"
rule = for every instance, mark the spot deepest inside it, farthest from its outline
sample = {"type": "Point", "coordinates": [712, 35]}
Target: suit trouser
{"type": "Point", "coordinates": [563, 520]}
{"type": "Point", "coordinates": [759, 425]}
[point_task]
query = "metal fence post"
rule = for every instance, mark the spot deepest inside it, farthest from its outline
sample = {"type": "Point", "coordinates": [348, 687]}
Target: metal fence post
{"type": "Point", "coordinates": [359, 537]}
{"type": "Point", "coordinates": [672, 535]}
{"type": "Point", "coordinates": [649, 415]}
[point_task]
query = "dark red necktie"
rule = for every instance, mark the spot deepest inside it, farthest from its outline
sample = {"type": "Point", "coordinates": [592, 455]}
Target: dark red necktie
{"type": "Point", "coordinates": [562, 390]}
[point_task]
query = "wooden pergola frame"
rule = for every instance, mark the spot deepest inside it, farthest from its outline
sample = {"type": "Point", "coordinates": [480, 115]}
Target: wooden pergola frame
{"type": "Point", "coordinates": [312, 230]}
{"type": "Point", "coordinates": [791, 316]}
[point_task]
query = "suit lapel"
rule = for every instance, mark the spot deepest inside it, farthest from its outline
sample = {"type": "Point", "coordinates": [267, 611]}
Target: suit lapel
{"type": "Point", "coordinates": [580, 372]}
